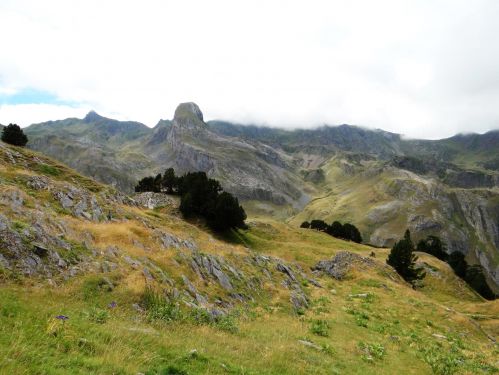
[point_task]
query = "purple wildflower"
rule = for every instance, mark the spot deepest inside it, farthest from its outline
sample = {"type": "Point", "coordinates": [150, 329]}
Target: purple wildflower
{"type": "Point", "coordinates": [62, 317]}
{"type": "Point", "coordinates": [112, 305]}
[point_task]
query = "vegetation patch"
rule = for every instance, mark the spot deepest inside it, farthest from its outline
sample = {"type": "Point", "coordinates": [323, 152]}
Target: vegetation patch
{"type": "Point", "coordinates": [48, 170]}
{"type": "Point", "coordinates": [320, 327]}
{"type": "Point", "coordinates": [371, 351]}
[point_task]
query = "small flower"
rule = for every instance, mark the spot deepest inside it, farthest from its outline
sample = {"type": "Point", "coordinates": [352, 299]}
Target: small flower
{"type": "Point", "coordinates": [62, 317]}
{"type": "Point", "coordinates": [112, 305]}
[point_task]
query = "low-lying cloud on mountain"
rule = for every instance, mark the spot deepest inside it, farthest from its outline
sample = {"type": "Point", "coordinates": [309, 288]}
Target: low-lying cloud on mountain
{"type": "Point", "coordinates": [423, 69]}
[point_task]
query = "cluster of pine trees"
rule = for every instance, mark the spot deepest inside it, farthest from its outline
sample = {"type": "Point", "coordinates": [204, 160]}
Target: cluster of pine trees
{"type": "Point", "coordinates": [404, 260]}
{"type": "Point", "coordinates": [14, 135]}
{"type": "Point", "coordinates": [199, 196]}
{"type": "Point", "coordinates": [345, 231]}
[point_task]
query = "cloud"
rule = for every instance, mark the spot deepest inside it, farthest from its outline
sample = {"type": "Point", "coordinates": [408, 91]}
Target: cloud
{"type": "Point", "coordinates": [27, 114]}
{"type": "Point", "coordinates": [425, 68]}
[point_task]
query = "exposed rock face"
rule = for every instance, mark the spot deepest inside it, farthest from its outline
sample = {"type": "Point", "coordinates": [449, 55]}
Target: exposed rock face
{"type": "Point", "coordinates": [339, 266]}
{"type": "Point", "coordinates": [249, 170]}
{"type": "Point", "coordinates": [153, 200]}
{"type": "Point", "coordinates": [168, 240]}
{"type": "Point", "coordinates": [189, 115]}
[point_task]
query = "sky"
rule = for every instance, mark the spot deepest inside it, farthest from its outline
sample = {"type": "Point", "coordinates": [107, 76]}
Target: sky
{"type": "Point", "coordinates": [422, 68]}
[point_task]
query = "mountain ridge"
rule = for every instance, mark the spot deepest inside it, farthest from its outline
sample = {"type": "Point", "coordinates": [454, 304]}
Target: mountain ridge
{"type": "Point", "coordinates": [287, 173]}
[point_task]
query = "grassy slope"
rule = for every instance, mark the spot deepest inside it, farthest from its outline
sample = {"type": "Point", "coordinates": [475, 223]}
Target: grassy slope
{"type": "Point", "coordinates": [390, 331]}
{"type": "Point", "coordinates": [352, 197]}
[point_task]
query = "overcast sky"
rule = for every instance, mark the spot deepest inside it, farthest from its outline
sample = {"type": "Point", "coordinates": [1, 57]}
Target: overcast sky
{"type": "Point", "coordinates": [427, 69]}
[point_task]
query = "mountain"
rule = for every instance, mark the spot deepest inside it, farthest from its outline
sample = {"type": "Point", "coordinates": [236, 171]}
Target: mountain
{"type": "Point", "coordinates": [92, 281]}
{"type": "Point", "coordinates": [378, 180]}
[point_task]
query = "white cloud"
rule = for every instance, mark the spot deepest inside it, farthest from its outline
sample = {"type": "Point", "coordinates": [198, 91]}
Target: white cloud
{"type": "Point", "coordinates": [423, 68]}
{"type": "Point", "coordinates": [26, 114]}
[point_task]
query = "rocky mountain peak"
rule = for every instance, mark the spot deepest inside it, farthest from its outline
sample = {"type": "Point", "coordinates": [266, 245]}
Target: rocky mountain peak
{"type": "Point", "coordinates": [92, 116]}
{"type": "Point", "coordinates": [188, 114]}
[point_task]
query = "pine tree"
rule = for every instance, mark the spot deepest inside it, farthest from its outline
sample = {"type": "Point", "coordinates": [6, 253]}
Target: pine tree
{"type": "Point", "coordinates": [319, 225]}
{"type": "Point", "coordinates": [403, 259]}
{"type": "Point", "coordinates": [146, 184]}
{"type": "Point", "coordinates": [14, 135]}
{"type": "Point", "coordinates": [336, 229]}
{"type": "Point", "coordinates": [227, 213]}
{"type": "Point", "coordinates": [169, 181]}
{"type": "Point", "coordinates": [458, 264]}
{"type": "Point", "coordinates": [157, 183]}
{"type": "Point", "coordinates": [350, 232]}
{"type": "Point", "coordinates": [433, 245]}
{"type": "Point", "coordinates": [305, 225]}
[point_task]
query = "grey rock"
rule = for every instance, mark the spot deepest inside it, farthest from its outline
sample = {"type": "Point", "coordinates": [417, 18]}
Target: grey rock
{"type": "Point", "coordinates": [148, 275]}
{"type": "Point", "coordinates": [132, 262]}
{"type": "Point", "coordinates": [341, 263]}
{"type": "Point", "coordinates": [4, 262]}
{"type": "Point", "coordinates": [64, 199]}
{"type": "Point", "coordinates": [310, 344]}
{"type": "Point", "coordinates": [168, 240]}
{"type": "Point", "coordinates": [38, 182]}
{"type": "Point", "coordinates": [152, 200]}
{"type": "Point", "coordinates": [299, 300]}
{"type": "Point", "coordinates": [223, 279]}
{"type": "Point", "coordinates": [286, 270]}
{"type": "Point", "coordinates": [191, 288]}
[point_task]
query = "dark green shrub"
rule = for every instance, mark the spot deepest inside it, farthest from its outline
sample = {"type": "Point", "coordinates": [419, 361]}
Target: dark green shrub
{"type": "Point", "coordinates": [14, 135]}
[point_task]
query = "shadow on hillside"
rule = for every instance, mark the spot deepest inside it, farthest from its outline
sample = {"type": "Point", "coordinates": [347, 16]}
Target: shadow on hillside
{"type": "Point", "coordinates": [235, 237]}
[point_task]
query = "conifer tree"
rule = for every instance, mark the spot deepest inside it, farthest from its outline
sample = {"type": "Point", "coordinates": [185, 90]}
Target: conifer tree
{"type": "Point", "coordinates": [403, 259]}
{"type": "Point", "coordinates": [14, 135]}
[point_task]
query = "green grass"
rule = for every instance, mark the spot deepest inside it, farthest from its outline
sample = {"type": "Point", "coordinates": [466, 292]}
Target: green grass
{"type": "Point", "coordinates": [368, 323]}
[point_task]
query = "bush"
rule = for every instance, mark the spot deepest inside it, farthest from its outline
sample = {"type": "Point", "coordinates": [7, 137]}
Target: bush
{"type": "Point", "coordinates": [14, 135]}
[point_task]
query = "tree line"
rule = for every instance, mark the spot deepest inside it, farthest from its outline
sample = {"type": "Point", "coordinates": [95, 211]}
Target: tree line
{"type": "Point", "coordinates": [403, 259]}
{"type": "Point", "coordinates": [199, 196]}
{"type": "Point", "coordinates": [345, 231]}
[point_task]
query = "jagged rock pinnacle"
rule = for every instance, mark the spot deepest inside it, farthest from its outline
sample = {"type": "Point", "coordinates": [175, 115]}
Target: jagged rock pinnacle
{"type": "Point", "coordinates": [92, 116]}
{"type": "Point", "coordinates": [187, 111]}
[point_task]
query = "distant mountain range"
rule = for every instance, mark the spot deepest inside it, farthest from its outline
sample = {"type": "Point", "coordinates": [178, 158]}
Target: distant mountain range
{"type": "Point", "coordinates": [378, 180]}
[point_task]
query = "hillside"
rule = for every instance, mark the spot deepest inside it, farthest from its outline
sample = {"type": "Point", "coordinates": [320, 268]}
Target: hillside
{"type": "Point", "coordinates": [376, 179]}
{"type": "Point", "coordinates": [383, 200]}
{"type": "Point", "coordinates": [93, 282]}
